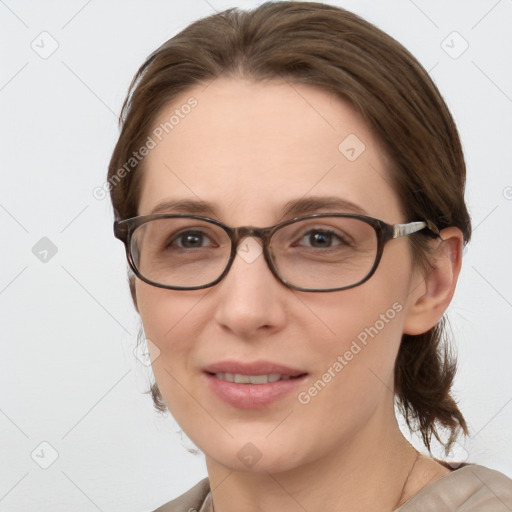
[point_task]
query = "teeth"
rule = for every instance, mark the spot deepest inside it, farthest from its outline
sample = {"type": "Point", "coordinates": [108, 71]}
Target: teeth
{"type": "Point", "coordinates": [242, 379]}
{"type": "Point", "coordinates": [251, 379]}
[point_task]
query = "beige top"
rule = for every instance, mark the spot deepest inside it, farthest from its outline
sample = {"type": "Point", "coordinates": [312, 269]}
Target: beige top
{"type": "Point", "coordinates": [470, 488]}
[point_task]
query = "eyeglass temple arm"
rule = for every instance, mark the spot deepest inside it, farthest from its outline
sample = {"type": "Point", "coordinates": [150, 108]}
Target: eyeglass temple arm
{"type": "Point", "coordinates": [121, 230]}
{"type": "Point", "coordinates": [400, 230]}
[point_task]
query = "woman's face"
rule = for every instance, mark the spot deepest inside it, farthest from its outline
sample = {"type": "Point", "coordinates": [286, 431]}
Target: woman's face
{"type": "Point", "coordinates": [250, 149]}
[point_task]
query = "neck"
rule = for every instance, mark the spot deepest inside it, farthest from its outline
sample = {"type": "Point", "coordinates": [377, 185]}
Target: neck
{"type": "Point", "coordinates": [368, 474]}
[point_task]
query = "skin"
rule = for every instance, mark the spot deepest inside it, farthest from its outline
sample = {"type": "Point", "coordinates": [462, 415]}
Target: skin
{"type": "Point", "coordinates": [250, 147]}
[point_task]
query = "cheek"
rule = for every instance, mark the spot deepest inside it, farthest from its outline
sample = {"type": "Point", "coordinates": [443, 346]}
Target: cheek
{"type": "Point", "coordinates": [354, 367]}
{"type": "Point", "coordinates": [162, 311]}
{"type": "Point", "coordinates": [171, 322]}
{"type": "Point", "coordinates": [361, 333]}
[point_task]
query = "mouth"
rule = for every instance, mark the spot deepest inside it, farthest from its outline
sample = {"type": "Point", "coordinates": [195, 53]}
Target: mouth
{"type": "Point", "coordinates": [252, 379]}
{"type": "Point", "coordinates": [252, 385]}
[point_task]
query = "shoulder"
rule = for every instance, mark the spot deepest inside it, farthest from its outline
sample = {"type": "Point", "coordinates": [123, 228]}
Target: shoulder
{"type": "Point", "coordinates": [189, 501]}
{"type": "Point", "coordinates": [471, 488]}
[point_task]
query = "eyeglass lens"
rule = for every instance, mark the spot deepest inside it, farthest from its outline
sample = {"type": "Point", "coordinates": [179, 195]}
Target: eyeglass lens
{"type": "Point", "coordinates": [317, 253]}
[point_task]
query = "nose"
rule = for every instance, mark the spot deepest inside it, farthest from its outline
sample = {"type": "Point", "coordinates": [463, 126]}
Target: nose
{"type": "Point", "coordinates": [251, 300]}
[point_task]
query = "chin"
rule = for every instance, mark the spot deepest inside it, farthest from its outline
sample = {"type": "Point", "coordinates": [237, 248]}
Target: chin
{"type": "Point", "coordinates": [257, 454]}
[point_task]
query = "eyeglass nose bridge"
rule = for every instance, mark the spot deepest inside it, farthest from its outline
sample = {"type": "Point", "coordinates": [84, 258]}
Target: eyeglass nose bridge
{"type": "Point", "coordinates": [240, 233]}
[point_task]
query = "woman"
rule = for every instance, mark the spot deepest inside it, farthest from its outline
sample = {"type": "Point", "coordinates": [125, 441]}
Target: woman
{"type": "Point", "coordinates": [289, 186]}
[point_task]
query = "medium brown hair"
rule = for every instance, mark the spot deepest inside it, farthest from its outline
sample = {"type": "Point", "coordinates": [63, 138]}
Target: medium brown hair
{"type": "Point", "coordinates": [326, 46]}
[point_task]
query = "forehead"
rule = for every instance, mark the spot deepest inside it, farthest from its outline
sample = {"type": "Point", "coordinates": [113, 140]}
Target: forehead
{"type": "Point", "coordinates": [250, 146]}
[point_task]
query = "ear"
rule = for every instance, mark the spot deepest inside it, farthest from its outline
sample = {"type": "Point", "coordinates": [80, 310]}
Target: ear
{"type": "Point", "coordinates": [432, 290]}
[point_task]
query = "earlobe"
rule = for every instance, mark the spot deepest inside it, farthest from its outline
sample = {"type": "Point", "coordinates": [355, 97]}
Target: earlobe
{"type": "Point", "coordinates": [431, 297]}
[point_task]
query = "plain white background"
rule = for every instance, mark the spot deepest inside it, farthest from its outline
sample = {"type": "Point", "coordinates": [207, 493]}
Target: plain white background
{"type": "Point", "coordinates": [69, 377]}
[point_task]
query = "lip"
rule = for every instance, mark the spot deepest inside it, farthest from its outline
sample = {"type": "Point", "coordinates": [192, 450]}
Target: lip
{"type": "Point", "coordinates": [252, 368]}
{"type": "Point", "coordinates": [252, 396]}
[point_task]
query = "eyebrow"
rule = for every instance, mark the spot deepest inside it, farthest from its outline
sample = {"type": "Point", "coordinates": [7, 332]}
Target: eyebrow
{"type": "Point", "coordinates": [192, 206]}
{"type": "Point", "coordinates": [313, 204]}
{"type": "Point", "coordinates": [292, 208]}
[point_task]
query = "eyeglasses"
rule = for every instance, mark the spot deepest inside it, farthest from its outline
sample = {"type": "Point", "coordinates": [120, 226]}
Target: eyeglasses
{"type": "Point", "coordinates": [314, 253]}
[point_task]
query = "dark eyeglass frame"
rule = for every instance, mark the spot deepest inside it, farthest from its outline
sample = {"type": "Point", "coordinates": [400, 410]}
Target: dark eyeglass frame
{"type": "Point", "coordinates": [124, 229]}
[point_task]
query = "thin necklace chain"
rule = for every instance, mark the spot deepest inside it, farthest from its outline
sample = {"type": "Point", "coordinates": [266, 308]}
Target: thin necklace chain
{"type": "Point", "coordinates": [398, 503]}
